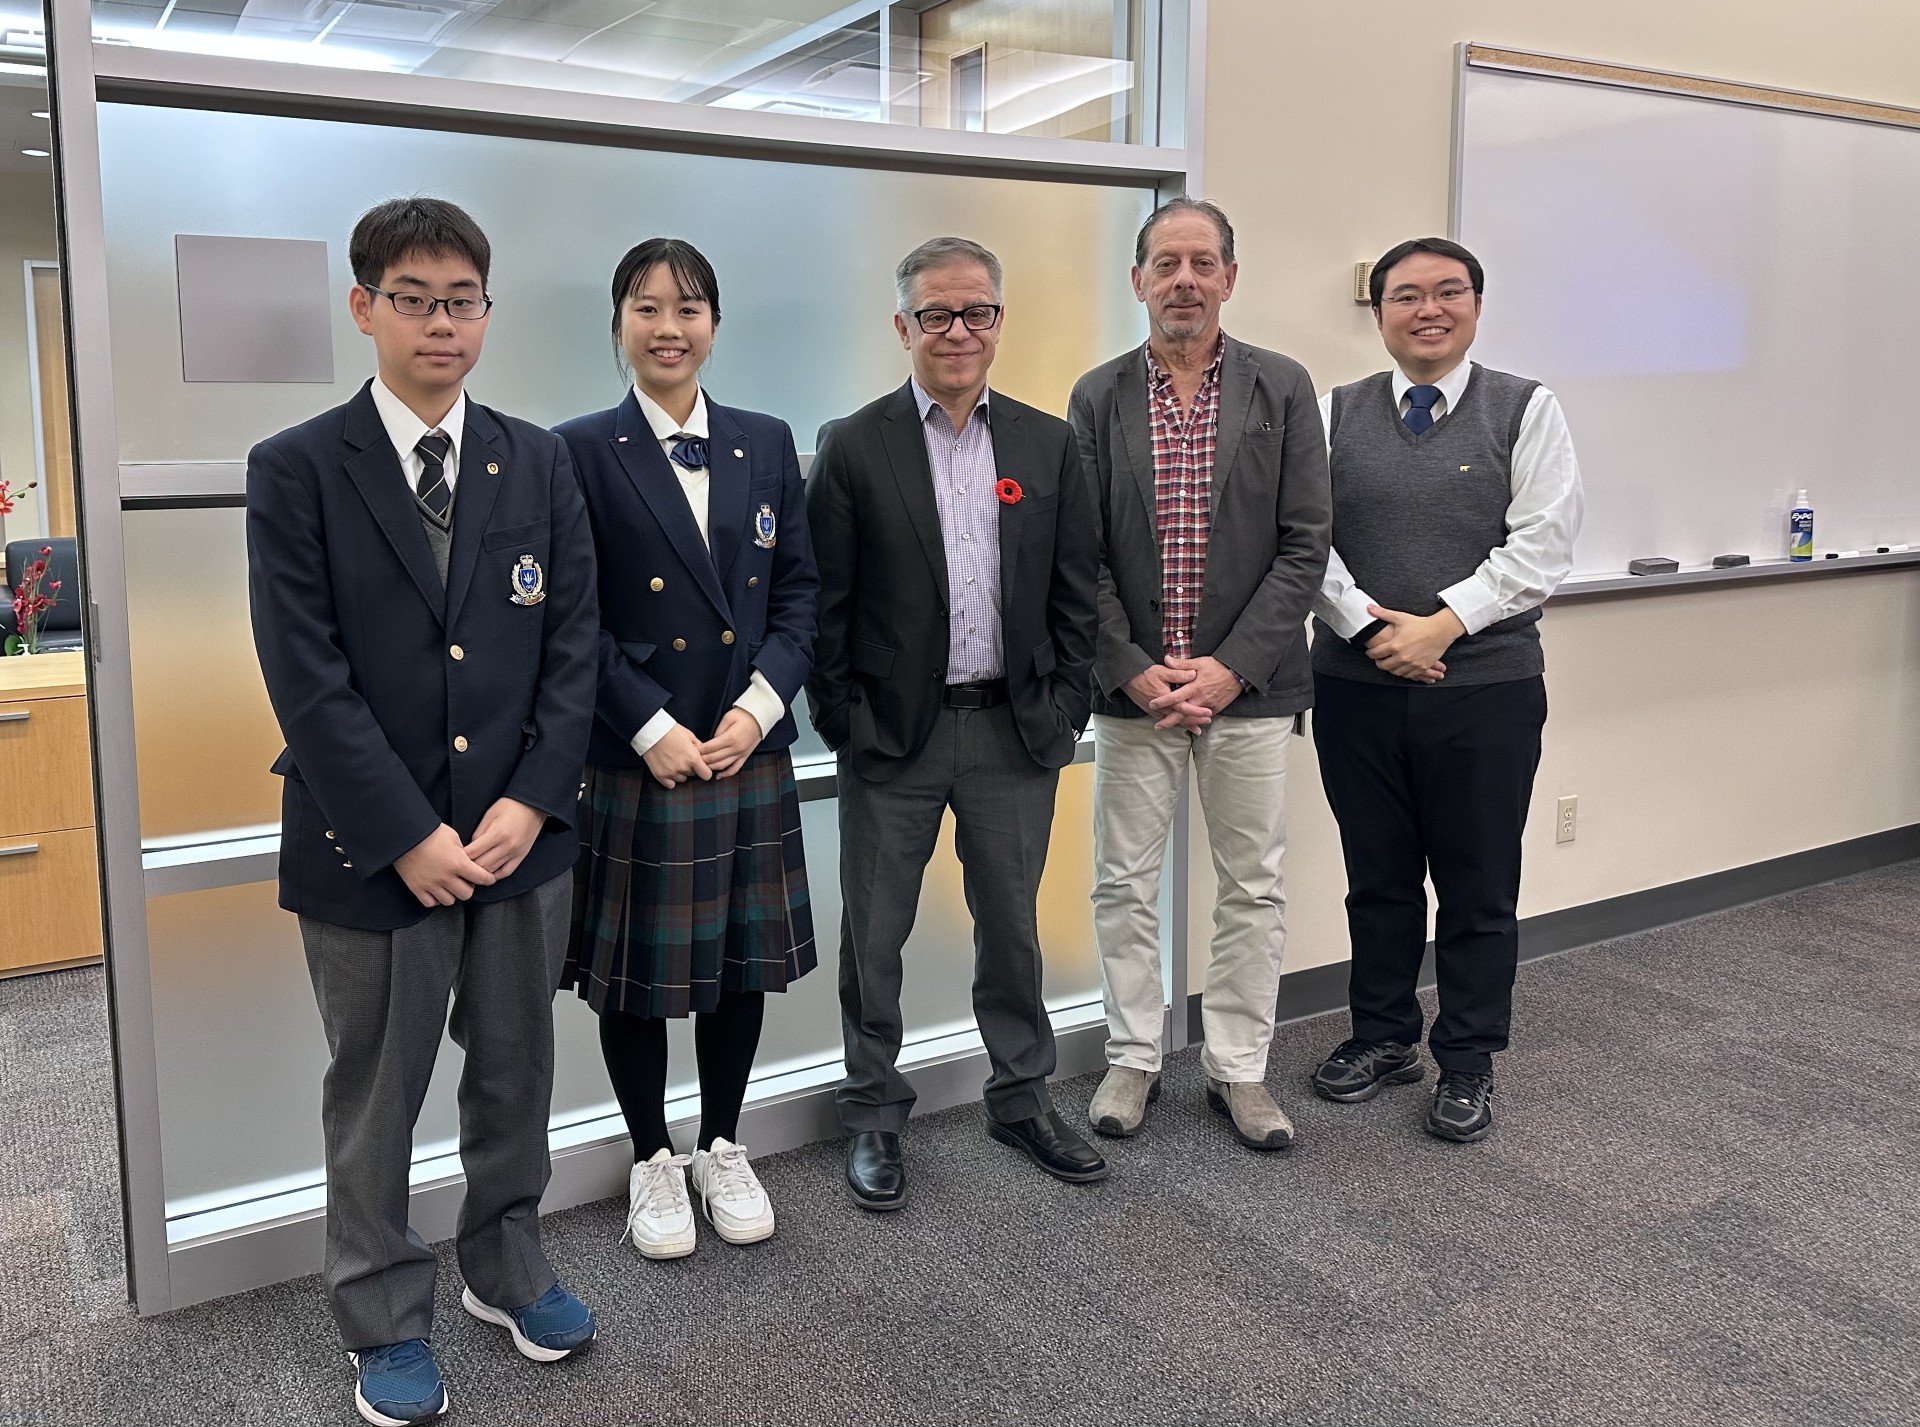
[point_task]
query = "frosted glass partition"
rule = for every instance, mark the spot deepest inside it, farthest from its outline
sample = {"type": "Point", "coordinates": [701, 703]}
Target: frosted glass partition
{"type": "Point", "coordinates": [804, 253]}
{"type": "Point", "coordinates": [1052, 68]}
{"type": "Point", "coordinates": [241, 1052]}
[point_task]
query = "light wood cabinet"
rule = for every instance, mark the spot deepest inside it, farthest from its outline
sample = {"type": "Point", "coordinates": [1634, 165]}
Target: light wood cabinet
{"type": "Point", "coordinates": [49, 877]}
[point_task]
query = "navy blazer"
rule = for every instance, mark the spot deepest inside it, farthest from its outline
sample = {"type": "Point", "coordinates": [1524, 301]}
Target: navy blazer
{"type": "Point", "coordinates": [683, 628]}
{"type": "Point", "coordinates": [406, 704]}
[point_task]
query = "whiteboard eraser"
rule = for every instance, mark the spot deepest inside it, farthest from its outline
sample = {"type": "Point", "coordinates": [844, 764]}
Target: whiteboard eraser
{"type": "Point", "coordinates": [1653, 565]}
{"type": "Point", "coordinates": [1728, 562]}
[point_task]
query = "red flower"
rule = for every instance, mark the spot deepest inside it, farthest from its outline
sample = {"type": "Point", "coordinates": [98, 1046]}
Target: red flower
{"type": "Point", "coordinates": [1008, 489]}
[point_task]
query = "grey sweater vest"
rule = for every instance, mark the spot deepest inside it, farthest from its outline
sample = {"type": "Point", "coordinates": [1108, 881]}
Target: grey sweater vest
{"type": "Point", "coordinates": [1413, 515]}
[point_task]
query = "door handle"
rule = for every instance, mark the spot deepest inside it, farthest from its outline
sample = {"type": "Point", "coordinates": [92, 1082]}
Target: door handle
{"type": "Point", "coordinates": [24, 850]}
{"type": "Point", "coordinates": [16, 715]}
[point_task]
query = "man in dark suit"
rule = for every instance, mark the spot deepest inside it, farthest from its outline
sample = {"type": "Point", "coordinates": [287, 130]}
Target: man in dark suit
{"type": "Point", "coordinates": [1210, 473]}
{"type": "Point", "coordinates": [956, 553]}
{"type": "Point", "coordinates": [422, 586]}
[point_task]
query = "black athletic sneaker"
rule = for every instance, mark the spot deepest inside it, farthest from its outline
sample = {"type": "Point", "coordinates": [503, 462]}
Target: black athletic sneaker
{"type": "Point", "coordinates": [1357, 1069]}
{"type": "Point", "coordinates": [1462, 1107]}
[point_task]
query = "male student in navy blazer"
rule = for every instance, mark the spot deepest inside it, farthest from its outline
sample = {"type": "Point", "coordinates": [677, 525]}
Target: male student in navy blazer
{"type": "Point", "coordinates": [423, 594]}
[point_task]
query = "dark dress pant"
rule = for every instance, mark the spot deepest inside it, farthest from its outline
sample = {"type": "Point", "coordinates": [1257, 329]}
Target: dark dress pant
{"type": "Point", "coordinates": [1431, 781]}
{"type": "Point", "coordinates": [383, 1000]}
{"type": "Point", "coordinates": [975, 763]}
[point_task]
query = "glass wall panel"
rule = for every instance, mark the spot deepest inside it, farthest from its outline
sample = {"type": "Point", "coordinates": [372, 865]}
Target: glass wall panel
{"type": "Point", "coordinates": [804, 253]}
{"type": "Point", "coordinates": [241, 1053]}
{"type": "Point", "coordinates": [1049, 68]}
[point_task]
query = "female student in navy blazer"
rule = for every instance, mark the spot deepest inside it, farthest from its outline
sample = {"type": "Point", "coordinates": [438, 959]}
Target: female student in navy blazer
{"type": "Point", "coordinates": [690, 896]}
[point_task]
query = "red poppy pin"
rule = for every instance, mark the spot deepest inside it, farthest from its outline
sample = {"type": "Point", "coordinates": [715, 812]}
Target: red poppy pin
{"type": "Point", "coordinates": [1008, 489]}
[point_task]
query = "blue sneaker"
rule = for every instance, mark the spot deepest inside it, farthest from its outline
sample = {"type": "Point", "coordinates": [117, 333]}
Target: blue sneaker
{"type": "Point", "coordinates": [547, 1329]}
{"type": "Point", "coordinates": [399, 1383]}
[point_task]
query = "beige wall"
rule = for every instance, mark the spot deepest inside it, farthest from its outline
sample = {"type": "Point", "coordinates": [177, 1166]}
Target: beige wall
{"type": "Point", "coordinates": [1700, 731]}
{"type": "Point", "coordinates": [26, 231]}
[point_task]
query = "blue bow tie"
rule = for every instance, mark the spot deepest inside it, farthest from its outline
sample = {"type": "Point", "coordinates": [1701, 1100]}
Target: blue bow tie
{"type": "Point", "coordinates": [690, 452]}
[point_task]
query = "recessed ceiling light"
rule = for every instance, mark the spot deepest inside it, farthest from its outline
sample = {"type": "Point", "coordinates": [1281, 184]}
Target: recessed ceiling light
{"type": "Point", "coordinates": [36, 153]}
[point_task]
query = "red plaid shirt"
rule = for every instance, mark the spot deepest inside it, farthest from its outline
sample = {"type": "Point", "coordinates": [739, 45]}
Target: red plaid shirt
{"type": "Point", "coordinates": [1183, 495]}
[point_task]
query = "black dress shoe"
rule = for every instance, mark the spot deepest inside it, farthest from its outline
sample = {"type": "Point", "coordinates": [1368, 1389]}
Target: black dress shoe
{"type": "Point", "coordinates": [1462, 1107]}
{"type": "Point", "coordinates": [876, 1173]}
{"type": "Point", "coordinates": [1051, 1145]}
{"type": "Point", "coordinates": [1357, 1069]}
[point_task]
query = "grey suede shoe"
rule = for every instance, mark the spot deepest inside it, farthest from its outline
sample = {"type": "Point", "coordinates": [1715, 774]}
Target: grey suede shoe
{"type": "Point", "coordinates": [1258, 1122]}
{"type": "Point", "coordinates": [1120, 1104]}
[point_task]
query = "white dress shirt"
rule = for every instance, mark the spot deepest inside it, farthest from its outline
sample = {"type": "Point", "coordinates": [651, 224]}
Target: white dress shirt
{"type": "Point", "coordinates": [405, 429]}
{"type": "Point", "coordinates": [1543, 517]}
{"type": "Point", "coordinates": [760, 699]}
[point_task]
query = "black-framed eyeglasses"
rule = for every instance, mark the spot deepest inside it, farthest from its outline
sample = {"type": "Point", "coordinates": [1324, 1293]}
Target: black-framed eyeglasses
{"type": "Point", "coordinates": [981, 317]}
{"type": "Point", "coordinates": [418, 304]}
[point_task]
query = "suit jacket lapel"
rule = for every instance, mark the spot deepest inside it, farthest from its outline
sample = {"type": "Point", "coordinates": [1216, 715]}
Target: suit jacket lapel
{"type": "Point", "coordinates": [481, 474]}
{"type": "Point", "coordinates": [647, 466]}
{"type": "Point", "coordinates": [1009, 452]}
{"type": "Point", "coordinates": [1237, 376]}
{"type": "Point", "coordinates": [1136, 431]}
{"type": "Point", "coordinates": [729, 473]}
{"type": "Point", "coordinates": [906, 447]}
{"type": "Point", "coordinates": [375, 471]}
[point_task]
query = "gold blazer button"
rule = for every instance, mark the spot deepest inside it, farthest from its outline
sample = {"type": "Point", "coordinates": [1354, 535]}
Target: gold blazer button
{"type": "Point", "coordinates": [460, 744]}
{"type": "Point", "coordinates": [679, 644]}
{"type": "Point", "coordinates": [726, 636]}
{"type": "Point", "coordinates": [656, 584]}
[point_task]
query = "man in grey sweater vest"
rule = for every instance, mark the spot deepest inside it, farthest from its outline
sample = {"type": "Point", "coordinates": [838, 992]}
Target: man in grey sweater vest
{"type": "Point", "coordinates": [1456, 499]}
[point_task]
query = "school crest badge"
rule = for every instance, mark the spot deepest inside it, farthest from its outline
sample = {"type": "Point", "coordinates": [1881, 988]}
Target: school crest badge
{"type": "Point", "coordinates": [763, 528]}
{"type": "Point", "coordinates": [529, 581]}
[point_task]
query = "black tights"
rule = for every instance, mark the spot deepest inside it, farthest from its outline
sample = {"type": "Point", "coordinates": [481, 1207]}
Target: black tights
{"type": "Point", "coordinates": [724, 1042]}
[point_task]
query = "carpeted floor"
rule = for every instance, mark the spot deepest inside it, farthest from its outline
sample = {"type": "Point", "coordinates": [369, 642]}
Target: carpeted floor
{"type": "Point", "coordinates": [1699, 1207]}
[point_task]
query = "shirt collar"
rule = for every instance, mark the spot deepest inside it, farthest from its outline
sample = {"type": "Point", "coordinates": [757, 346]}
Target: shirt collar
{"type": "Point", "coordinates": [405, 429]}
{"type": "Point", "coordinates": [665, 428]}
{"type": "Point", "coordinates": [1159, 376]}
{"type": "Point", "coordinates": [926, 403]}
{"type": "Point", "coordinates": [1452, 386]}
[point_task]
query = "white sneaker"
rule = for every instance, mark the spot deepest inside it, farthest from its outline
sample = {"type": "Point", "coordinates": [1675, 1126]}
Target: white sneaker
{"type": "Point", "coordinates": [730, 1192]}
{"type": "Point", "coordinates": [659, 1217]}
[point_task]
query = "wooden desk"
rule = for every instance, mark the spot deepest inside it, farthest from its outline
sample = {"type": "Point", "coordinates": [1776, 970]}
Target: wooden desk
{"type": "Point", "coordinates": [49, 878]}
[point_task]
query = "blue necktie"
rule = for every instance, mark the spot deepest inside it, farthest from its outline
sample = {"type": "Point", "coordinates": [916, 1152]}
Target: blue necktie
{"type": "Point", "coordinates": [1420, 414]}
{"type": "Point", "coordinates": [690, 453]}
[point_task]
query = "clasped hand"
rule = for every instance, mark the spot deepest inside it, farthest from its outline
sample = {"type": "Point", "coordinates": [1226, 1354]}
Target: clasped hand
{"type": "Point", "coordinates": [439, 870]}
{"type": "Point", "coordinates": [1411, 644]}
{"type": "Point", "coordinates": [1184, 693]}
{"type": "Point", "coordinates": [678, 756]}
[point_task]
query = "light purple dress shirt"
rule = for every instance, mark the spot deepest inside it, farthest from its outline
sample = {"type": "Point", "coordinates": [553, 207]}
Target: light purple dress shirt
{"type": "Point", "coordinates": [963, 480]}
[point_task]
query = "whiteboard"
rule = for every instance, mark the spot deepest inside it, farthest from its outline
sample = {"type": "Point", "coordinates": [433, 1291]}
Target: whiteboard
{"type": "Point", "coordinates": [1724, 297]}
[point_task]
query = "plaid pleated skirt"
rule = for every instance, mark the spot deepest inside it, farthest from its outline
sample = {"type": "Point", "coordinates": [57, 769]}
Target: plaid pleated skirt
{"type": "Point", "coordinates": [683, 893]}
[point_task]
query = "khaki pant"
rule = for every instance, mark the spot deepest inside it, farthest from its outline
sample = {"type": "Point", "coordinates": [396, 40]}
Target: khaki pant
{"type": "Point", "coordinates": [1240, 771]}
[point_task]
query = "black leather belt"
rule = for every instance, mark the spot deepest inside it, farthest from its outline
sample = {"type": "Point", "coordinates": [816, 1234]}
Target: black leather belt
{"type": "Point", "coordinates": [987, 694]}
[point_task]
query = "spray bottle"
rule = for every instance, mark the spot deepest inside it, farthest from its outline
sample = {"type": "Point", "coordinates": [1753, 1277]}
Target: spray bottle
{"type": "Point", "coordinates": [1800, 528]}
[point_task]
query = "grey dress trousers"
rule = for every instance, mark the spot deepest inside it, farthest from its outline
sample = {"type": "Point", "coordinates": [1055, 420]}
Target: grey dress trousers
{"type": "Point", "coordinates": [383, 999]}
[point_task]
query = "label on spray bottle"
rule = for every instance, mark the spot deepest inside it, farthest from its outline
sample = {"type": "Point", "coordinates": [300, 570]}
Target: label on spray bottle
{"type": "Point", "coordinates": [1800, 533]}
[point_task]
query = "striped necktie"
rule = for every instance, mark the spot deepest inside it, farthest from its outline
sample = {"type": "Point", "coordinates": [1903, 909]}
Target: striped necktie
{"type": "Point", "coordinates": [434, 492]}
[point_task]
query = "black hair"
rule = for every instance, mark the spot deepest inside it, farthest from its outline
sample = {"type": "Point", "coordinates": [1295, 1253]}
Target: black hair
{"type": "Point", "coordinates": [689, 267]}
{"type": "Point", "coordinates": [1439, 247]}
{"type": "Point", "coordinates": [1183, 204]}
{"type": "Point", "coordinates": [389, 232]}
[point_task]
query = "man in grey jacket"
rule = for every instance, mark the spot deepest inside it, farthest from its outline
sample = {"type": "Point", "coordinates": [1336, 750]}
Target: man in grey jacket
{"type": "Point", "coordinates": [1209, 470]}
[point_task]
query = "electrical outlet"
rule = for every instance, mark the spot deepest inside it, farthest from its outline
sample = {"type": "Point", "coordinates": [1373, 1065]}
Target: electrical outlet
{"type": "Point", "coordinates": [1567, 823]}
